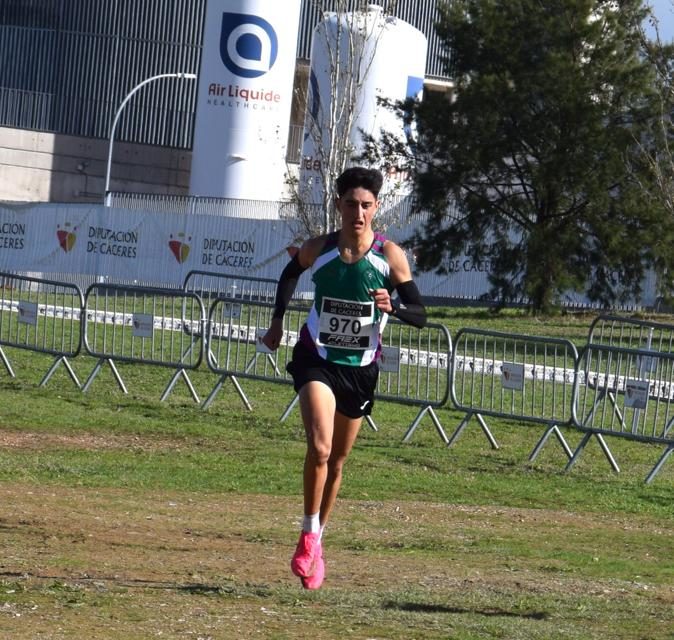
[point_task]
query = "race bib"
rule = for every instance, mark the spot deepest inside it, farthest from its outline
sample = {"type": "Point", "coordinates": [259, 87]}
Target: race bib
{"type": "Point", "coordinates": [345, 324]}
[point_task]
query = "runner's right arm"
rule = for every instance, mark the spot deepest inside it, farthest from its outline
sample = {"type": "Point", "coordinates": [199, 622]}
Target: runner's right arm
{"type": "Point", "coordinates": [287, 283]}
{"type": "Point", "coordinates": [286, 286]}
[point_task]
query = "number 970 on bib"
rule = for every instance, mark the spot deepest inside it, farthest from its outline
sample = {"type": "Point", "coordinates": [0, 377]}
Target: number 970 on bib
{"type": "Point", "coordinates": [346, 324]}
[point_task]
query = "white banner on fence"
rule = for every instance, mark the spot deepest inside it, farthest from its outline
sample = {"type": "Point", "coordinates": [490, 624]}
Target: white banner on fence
{"type": "Point", "coordinates": [138, 245]}
{"type": "Point", "coordinates": [158, 247]}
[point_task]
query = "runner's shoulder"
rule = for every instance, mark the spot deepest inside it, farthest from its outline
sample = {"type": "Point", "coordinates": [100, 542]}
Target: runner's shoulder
{"type": "Point", "coordinates": [393, 251]}
{"type": "Point", "coordinates": [311, 249]}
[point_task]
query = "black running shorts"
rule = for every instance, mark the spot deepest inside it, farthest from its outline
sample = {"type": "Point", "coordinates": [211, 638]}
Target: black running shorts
{"type": "Point", "coordinates": [353, 387]}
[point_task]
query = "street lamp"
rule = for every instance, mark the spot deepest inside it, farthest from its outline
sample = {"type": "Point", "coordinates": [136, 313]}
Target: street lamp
{"type": "Point", "coordinates": [188, 76]}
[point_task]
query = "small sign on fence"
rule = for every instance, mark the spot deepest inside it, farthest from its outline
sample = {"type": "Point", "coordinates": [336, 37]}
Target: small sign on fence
{"type": "Point", "coordinates": [28, 312]}
{"type": "Point", "coordinates": [260, 346]}
{"type": "Point", "coordinates": [389, 361]}
{"type": "Point", "coordinates": [513, 376]}
{"type": "Point", "coordinates": [143, 325]}
{"type": "Point", "coordinates": [636, 393]}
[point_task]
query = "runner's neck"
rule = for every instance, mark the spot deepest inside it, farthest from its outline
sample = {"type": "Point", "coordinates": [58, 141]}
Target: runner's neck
{"type": "Point", "coordinates": [352, 249]}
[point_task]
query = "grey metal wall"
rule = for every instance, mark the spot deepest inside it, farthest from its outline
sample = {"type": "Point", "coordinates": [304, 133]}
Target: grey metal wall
{"type": "Point", "coordinates": [66, 65]}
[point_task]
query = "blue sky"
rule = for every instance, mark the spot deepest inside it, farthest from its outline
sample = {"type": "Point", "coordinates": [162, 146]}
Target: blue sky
{"type": "Point", "coordinates": [664, 11]}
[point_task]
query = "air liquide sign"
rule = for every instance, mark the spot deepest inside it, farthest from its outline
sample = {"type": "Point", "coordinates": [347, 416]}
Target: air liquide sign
{"type": "Point", "coordinates": [244, 99]}
{"type": "Point", "coordinates": [248, 44]}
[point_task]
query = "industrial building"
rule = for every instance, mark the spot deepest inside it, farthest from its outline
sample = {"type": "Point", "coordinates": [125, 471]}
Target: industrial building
{"type": "Point", "coordinates": [68, 65]}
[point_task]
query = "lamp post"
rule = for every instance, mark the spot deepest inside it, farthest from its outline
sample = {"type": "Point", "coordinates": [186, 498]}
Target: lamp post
{"type": "Point", "coordinates": [188, 76]}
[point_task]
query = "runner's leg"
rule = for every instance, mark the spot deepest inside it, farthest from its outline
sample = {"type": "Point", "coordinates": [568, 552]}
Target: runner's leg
{"type": "Point", "coordinates": [343, 438]}
{"type": "Point", "coordinates": [317, 405]}
{"type": "Point", "coordinates": [344, 435]}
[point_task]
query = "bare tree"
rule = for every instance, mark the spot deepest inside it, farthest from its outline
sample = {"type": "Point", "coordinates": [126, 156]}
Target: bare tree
{"type": "Point", "coordinates": [654, 143]}
{"type": "Point", "coordinates": [348, 45]}
{"type": "Point", "coordinates": [657, 147]}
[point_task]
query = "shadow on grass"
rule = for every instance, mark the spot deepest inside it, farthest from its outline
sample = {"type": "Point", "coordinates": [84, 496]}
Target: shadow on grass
{"type": "Point", "coordinates": [192, 588]}
{"type": "Point", "coordinates": [420, 607]}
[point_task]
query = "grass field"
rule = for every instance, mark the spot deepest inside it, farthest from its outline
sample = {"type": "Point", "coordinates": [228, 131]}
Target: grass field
{"type": "Point", "coordinates": [123, 517]}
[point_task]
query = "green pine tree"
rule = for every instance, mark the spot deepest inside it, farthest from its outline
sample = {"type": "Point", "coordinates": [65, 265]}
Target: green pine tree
{"type": "Point", "coordinates": [530, 154]}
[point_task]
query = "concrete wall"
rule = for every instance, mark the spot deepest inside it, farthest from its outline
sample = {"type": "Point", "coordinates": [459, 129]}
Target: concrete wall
{"type": "Point", "coordinates": [46, 167]}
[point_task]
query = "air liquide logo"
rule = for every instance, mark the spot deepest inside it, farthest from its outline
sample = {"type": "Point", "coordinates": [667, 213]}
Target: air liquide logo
{"type": "Point", "coordinates": [248, 44]}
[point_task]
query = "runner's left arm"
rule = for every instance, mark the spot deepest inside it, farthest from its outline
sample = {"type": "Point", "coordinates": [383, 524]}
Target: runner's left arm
{"type": "Point", "coordinates": [409, 307]}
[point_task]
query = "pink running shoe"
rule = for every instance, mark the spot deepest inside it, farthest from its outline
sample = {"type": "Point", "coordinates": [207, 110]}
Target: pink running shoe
{"type": "Point", "coordinates": [304, 558]}
{"type": "Point", "coordinates": [315, 580]}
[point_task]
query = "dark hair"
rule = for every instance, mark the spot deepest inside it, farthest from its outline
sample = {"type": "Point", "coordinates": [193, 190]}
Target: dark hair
{"type": "Point", "coordinates": [355, 177]}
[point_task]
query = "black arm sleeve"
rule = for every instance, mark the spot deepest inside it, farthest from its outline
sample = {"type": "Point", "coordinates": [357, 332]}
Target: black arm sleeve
{"type": "Point", "coordinates": [410, 308]}
{"type": "Point", "coordinates": [286, 286]}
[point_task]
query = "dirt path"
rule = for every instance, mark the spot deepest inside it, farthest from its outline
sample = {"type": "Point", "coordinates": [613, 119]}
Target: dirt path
{"type": "Point", "coordinates": [112, 563]}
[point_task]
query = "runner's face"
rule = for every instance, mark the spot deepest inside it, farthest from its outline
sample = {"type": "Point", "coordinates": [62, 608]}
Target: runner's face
{"type": "Point", "coordinates": [357, 207]}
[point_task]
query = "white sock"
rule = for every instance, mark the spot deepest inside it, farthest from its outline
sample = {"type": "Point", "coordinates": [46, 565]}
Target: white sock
{"type": "Point", "coordinates": [312, 523]}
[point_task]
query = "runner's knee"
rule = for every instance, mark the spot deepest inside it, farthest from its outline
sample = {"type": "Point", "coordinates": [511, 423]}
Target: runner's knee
{"type": "Point", "coordinates": [319, 452]}
{"type": "Point", "coordinates": [336, 465]}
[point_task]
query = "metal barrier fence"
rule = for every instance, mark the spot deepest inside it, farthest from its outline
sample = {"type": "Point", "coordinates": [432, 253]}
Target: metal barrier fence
{"type": "Point", "coordinates": [632, 333]}
{"type": "Point", "coordinates": [414, 368]}
{"type": "Point", "coordinates": [621, 385]}
{"type": "Point", "coordinates": [211, 287]}
{"type": "Point", "coordinates": [42, 316]}
{"type": "Point", "coordinates": [143, 325]}
{"type": "Point", "coordinates": [631, 395]}
{"type": "Point", "coordinates": [626, 385]}
{"type": "Point", "coordinates": [234, 348]}
{"type": "Point", "coordinates": [513, 376]}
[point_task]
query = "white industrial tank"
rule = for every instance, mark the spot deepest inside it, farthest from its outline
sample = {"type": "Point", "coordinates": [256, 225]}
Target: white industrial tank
{"type": "Point", "coordinates": [357, 60]}
{"type": "Point", "coordinates": [244, 99]}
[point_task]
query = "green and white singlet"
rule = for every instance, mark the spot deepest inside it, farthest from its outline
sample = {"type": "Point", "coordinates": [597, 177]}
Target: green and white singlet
{"type": "Point", "coordinates": [344, 326]}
